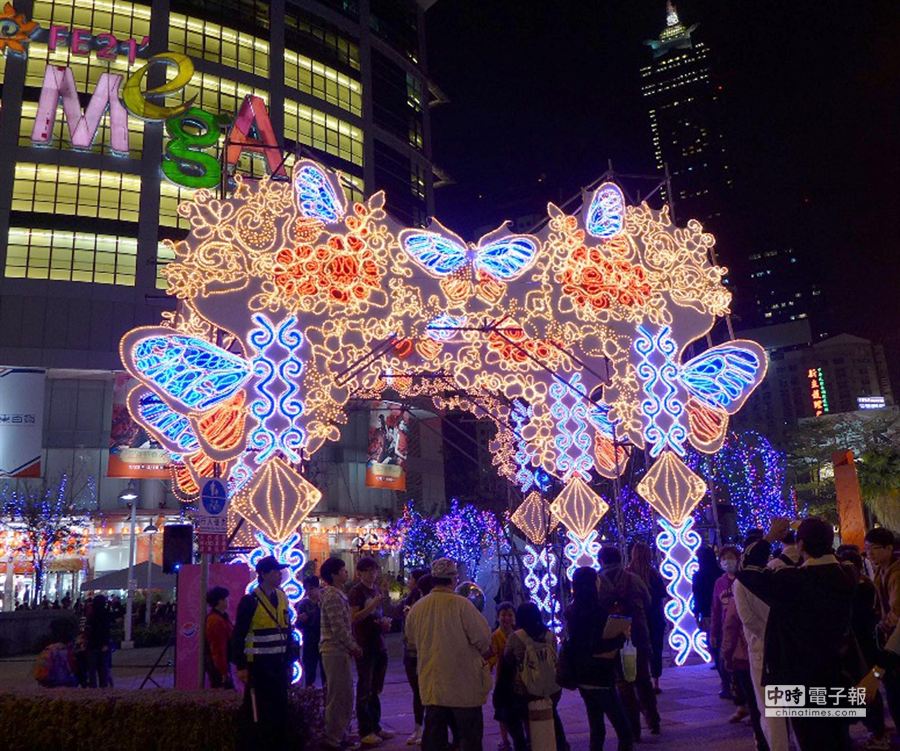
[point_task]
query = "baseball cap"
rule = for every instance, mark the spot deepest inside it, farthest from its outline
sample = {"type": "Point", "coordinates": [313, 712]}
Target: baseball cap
{"type": "Point", "coordinates": [267, 564]}
{"type": "Point", "coordinates": [443, 568]}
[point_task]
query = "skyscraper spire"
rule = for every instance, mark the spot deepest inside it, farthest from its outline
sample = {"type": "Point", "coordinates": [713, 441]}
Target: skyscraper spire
{"type": "Point", "coordinates": [671, 14]}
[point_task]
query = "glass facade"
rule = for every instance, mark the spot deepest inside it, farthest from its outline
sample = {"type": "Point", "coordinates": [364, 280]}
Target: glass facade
{"type": "Point", "coordinates": [92, 215]}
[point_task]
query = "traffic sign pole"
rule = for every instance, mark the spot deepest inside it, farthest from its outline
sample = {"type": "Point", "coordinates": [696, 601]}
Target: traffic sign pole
{"type": "Point", "coordinates": [211, 527]}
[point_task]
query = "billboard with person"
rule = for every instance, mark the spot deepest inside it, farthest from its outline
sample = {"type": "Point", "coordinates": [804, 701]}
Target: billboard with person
{"type": "Point", "coordinates": [388, 441]}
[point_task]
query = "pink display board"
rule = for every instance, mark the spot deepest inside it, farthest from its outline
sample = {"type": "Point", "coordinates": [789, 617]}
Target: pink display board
{"type": "Point", "coordinates": [235, 578]}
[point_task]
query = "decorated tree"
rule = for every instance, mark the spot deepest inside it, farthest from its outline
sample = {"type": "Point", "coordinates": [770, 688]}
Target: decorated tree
{"type": "Point", "coordinates": [879, 482]}
{"type": "Point", "coordinates": [748, 473]}
{"type": "Point", "coordinates": [44, 523]}
{"type": "Point", "coordinates": [464, 533]}
{"type": "Point", "coordinates": [414, 536]}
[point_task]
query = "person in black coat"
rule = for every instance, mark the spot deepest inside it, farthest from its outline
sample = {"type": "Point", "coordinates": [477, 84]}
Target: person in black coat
{"type": "Point", "coordinates": [708, 571]}
{"type": "Point", "coordinates": [98, 628]}
{"type": "Point", "coordinates": [594, 660]}
{"type": "Point", "coordinates": [809, 629]}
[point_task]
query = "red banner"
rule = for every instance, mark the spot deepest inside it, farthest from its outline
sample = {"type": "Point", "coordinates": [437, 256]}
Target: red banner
{"type": "Point", "coordinates": [388, 445]}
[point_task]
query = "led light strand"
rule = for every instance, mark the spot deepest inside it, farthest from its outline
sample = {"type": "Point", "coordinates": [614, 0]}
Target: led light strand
{"type": "Point", "coordinates": [541, 579]}
{"type": "Point", "coordinates": [582, 552]}
{"type": "Point", "coordinates": [572, 441]}
{"type": "Point", "coordinates": [662, 409]}
{"type": "Point", "coordinates": [679, 546]}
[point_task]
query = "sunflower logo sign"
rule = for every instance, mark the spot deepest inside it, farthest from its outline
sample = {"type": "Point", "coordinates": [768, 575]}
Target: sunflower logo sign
{"type": "Point", "coordinates": [15, 30]}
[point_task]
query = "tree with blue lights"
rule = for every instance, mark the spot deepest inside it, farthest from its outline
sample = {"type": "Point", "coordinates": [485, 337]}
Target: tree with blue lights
{"type": "Point", "coordinates": [46, 520]}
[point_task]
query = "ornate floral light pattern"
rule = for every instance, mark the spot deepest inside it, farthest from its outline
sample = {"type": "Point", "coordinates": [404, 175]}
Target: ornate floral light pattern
{"type": "Point", "coordinates": [288, 283]}
{"type": "Point", "coordinates": [579, 508]}
{"type": "Point", "coordinates": [671, 488]}
{"type": "Point", "coordinates": [534, 518]}
{"type": "Point", "coordinates": [541, 579]}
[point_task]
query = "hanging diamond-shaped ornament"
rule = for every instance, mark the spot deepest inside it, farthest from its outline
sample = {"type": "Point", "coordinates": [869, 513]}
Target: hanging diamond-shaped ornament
{"type": "Point", "coordinates": [672, 488]}
{"type": "Point", "coordinates": [579, 507]}
{"type": "Point", "coordinates": [277, 500]}
{"type": "Point", "coordinates": [534, 518]}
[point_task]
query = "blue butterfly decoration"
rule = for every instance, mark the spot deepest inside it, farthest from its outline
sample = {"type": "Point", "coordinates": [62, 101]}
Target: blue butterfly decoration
{"type": "Point", "coordinates": [318, 197]}
{"type": "Point", "coordinates": [192, 373]}
{"type": "Point", "coordinates": [502, 257]}
{"type": "Point", "coordinates": [173, 428]}
{"type": "Point", "coordinates": [606, 212]}
{"type": "Point", "coordinates": [724, 376]}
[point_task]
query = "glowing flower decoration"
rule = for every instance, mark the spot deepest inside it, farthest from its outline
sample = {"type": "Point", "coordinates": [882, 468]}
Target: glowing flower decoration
{"type": "Point", "coordinates": [15, 30]}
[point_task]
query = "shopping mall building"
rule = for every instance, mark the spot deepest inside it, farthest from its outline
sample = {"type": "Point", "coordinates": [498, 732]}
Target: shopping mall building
{"type": "Point", "coordinates": [93, 167]}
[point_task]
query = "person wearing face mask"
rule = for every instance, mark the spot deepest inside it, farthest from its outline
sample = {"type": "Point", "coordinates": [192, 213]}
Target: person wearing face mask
{"type": "Point", "coordinates": [723, 592]}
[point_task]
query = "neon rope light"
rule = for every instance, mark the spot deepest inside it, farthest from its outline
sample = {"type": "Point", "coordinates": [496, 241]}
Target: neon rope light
{"type": "Point", "coordinates": [290, 552]}
{"type": "Point", "coordinates": [679, 546]}
{"type": "Point", "coordinates": [540, 579]}
{"type": "Point", "coordinates": [582, 552]}
{"type": "Point", "coordinates": [572, 440]}
{"type": "Point", "coordinates": [277, 367]}
{"type": "Point", "coordinates": [662, 409]}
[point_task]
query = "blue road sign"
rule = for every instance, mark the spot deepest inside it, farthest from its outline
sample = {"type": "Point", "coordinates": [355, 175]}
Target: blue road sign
{"type": "Point", "coordinates": [214, 497]}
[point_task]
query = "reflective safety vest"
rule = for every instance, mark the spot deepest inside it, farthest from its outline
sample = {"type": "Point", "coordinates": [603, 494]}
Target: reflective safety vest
{"type": "Point", "coordinates": [269, 632]}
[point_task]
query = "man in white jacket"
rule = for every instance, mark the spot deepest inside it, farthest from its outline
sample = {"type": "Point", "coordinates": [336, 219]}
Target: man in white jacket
{"type": "Point", "coordinates": [754, 615]}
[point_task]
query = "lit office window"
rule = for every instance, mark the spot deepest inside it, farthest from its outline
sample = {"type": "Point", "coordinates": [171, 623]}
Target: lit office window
{"type": "Point", "coordinates": [59, 255]}
{"type": "Point", "coordinates": [170, 195]}
{"type": "Point", "coordinates": [60, 140]}
{"type": "Point", "coordinates": [218, 44]}
{"type": "Point", "coordinates": [122, 19]}
{"type": "Point", "coordinates": [86, 69]}
{"type": "Point", "coordinates": [164, 255]}
{"type": "Point", "coordinates": [311, 77]}
{"type": "Point", "coordinates": [52, 189]}
{"type": "Point", "coordinates": [214, 94]}
{"type": "Point", "coordinates": [327, 38]}
{"type": "Point", "coordinates": [321, 131]}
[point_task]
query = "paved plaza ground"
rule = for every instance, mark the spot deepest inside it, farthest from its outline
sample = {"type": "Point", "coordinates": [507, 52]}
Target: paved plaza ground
{"type": "Point", "coordinates": [691, 710]}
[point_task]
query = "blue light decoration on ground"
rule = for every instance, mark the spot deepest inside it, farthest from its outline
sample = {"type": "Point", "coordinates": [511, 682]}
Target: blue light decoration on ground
{"type": "Point", "coordinates": [679, 547]}
{"type": "Point", "coordinates": [569, 410]}
{"type": "Point", "coordinates": [582, 552]}
{"type": "Point", "coordinates": [192, 372]}
{"type": "Point", "coordinates": [278, 368]}
{"type": "Point", "coordinates": [541, 579]}
{"type": "Point", "coordinates": [663, 410]}
{"type": "Point", "coordinates": [290, 552]}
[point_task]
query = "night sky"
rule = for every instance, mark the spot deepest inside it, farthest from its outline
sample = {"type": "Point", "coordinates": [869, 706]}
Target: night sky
{"type": "Point", "coordinates": [542, 93]}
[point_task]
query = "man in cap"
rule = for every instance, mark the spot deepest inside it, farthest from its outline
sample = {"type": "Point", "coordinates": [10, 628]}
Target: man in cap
{"type": "Point", "coordinates": [264, 649]}
{"type": "Point", "coordinates": [808, 631]}
{"type": "Point", "coordinates": [451, 639]}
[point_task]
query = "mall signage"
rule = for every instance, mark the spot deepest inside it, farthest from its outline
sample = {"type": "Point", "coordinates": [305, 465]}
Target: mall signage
{"type": "Point", "coordinates": [192, 133]}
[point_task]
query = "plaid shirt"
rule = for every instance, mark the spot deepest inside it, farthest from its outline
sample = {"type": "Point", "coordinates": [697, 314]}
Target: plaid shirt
{"type": "Point", "coordinates": [336, 633]}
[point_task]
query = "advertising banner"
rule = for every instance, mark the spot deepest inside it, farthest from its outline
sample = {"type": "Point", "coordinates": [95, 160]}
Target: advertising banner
{"type": "Point", "coordinates": [388, 438]}
{"type": "Point", "coordinates": [234, 577]}
{"type": "Point", "coordinates": [21, 421]}
{"type": "Point", "coordinates": [132, 452]}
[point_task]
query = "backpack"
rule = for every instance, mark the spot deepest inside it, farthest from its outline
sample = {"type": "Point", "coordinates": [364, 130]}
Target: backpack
{"type": "Point", "coordinates": [52, 669]}
{"type": "Point", "coordinates": [538, 669]}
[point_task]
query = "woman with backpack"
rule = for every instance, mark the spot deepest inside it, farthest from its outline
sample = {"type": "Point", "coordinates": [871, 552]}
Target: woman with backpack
{"type": "Point", "coordinates": [527, 673]}
{"type": "Point", "coordinates": [593, 660]}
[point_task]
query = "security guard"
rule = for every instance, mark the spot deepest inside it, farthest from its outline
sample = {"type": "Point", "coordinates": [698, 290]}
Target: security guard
{"type": "Point", "coordinates": [263, 650]}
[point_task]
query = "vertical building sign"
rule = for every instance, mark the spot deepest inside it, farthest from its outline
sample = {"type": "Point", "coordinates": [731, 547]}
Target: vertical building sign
{"type": "Point", "coordinates": [21, 421]}
{"type": "Point", "coordinates": [388, 433]}
{"type": "Point", "coordinates": [817, 391]}
{"type": "Point", "coordinates": [132, 452]}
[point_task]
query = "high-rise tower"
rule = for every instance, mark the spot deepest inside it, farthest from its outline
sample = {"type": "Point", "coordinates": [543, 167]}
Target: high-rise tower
{"type": "Point", "coordinates": [685, 121]}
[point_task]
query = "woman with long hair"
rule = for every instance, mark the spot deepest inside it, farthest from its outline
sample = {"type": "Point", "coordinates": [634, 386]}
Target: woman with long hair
{"type": "Point", "coordinates": [642, 565]}
{"type": "Point", "coordinates": [594, 659]}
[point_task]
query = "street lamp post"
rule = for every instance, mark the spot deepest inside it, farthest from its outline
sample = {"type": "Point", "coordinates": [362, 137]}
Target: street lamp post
{"type": "Point", "coordinates": [149, 530]}
{"type": "Point", "coordinates": [130, 497]}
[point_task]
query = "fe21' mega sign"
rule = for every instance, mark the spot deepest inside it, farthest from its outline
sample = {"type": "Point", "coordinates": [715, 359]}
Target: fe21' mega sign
{"type": "Point", "coordinates": [190, 130]}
